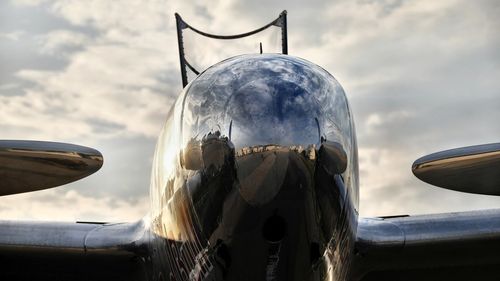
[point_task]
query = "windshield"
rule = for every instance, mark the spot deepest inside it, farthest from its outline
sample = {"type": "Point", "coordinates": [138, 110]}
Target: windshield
{"type": "Point", "coordinates": [265, 101]}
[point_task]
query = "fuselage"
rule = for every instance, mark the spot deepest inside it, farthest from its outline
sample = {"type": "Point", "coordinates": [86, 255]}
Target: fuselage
{"type": "Point", "coordinates": [255, 175]}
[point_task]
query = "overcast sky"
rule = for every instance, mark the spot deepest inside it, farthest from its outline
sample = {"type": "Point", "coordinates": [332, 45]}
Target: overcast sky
{"type": "Point", "coordinates": [421, 76]}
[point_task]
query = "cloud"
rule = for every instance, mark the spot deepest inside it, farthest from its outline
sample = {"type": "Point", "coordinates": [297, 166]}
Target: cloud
{"type": "Point", "coordinates": [28, 2]}
{"type": "Point", "coordinates": [109, 79]}
{"type": "Point", "coordinates": [10, 86]}
{"type": "Point", "coordinates": [13, 36]}
{"type": "Point", "coordinates": [59, 41]}
{"type": "Point", "coordinates": [108, 15]}
{"type": "Point", "coordinates": [47, 205]}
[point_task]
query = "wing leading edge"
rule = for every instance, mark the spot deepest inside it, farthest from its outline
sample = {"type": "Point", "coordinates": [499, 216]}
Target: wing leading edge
{"type": "Point", "coordinates": [453, 246]}
{"type": "Point", "coordinates": [72, 251]}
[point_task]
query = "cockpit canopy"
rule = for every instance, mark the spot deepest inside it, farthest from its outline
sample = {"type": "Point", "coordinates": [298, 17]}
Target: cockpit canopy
{"type": "Point", "coordinates": [265, 99]}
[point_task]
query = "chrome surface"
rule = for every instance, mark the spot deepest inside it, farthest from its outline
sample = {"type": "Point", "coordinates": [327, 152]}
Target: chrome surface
{"type": "Point", "coordinates": [267, 99]}
{"type": "Point", "coordinates": [256, 100]}
{"type": "Point", "coordinates": [439, 243]}
{"type": "Point", "coordinates": [83, 237]}
{"type": "Point", "coordinates": [473, 169]}
{"type": "Point", "coordinates": [34, 250]}
{"type": "Point", "coordinates": [334, 154]}
{"type": "Point", "coordinates": [253, 140]}
{"type": "Point", "coordinates": [33, 165]}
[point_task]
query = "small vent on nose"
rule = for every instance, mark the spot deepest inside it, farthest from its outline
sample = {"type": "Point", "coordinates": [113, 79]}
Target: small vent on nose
{"type": "Point", "coordinates": [274, 229]}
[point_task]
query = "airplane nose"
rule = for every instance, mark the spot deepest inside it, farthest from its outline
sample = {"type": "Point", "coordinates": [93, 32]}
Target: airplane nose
{"type": "Point", "coordinates": [271, 217]}
{"type": "Point", "coordinates": [260, 213]}
{"type": "Point", "coordinates": [276, 204]}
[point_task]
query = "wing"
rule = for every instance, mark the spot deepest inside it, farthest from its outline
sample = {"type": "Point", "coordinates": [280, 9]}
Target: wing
{"type": "Point", "coordinates": [72, 251]}
{"type": "Point", "coordinates": [454, 246]}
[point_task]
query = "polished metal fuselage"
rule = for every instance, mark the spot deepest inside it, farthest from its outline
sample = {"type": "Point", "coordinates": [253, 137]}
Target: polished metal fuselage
{"type": "Point", "coordinates": [240, 190]}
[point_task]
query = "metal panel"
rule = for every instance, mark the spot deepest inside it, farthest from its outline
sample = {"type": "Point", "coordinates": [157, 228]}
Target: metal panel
{"type": "Point", "coordinates": [462, 240]}
{"type": "Point", "coordinates": [72, 251]}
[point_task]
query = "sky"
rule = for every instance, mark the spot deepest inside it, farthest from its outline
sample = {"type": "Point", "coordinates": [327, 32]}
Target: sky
{"type": "Point", "coordinates": [421, 76]}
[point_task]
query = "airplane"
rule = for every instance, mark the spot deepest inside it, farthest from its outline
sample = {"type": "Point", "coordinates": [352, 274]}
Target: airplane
{"type": "Point", "coordinates": [255, 177]}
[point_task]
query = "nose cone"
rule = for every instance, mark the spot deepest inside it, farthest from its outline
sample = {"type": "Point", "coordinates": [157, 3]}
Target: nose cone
{"type": "Point", "coordinates": [269, 224]}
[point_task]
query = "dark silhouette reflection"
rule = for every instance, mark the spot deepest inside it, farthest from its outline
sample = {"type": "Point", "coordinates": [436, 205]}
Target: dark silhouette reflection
{"type": "Point", "coordinates": [212, 182]}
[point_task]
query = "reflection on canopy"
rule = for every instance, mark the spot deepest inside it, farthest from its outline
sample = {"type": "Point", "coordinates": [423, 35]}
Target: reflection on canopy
{"type": "Point", "coordinates": [268, 99]}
